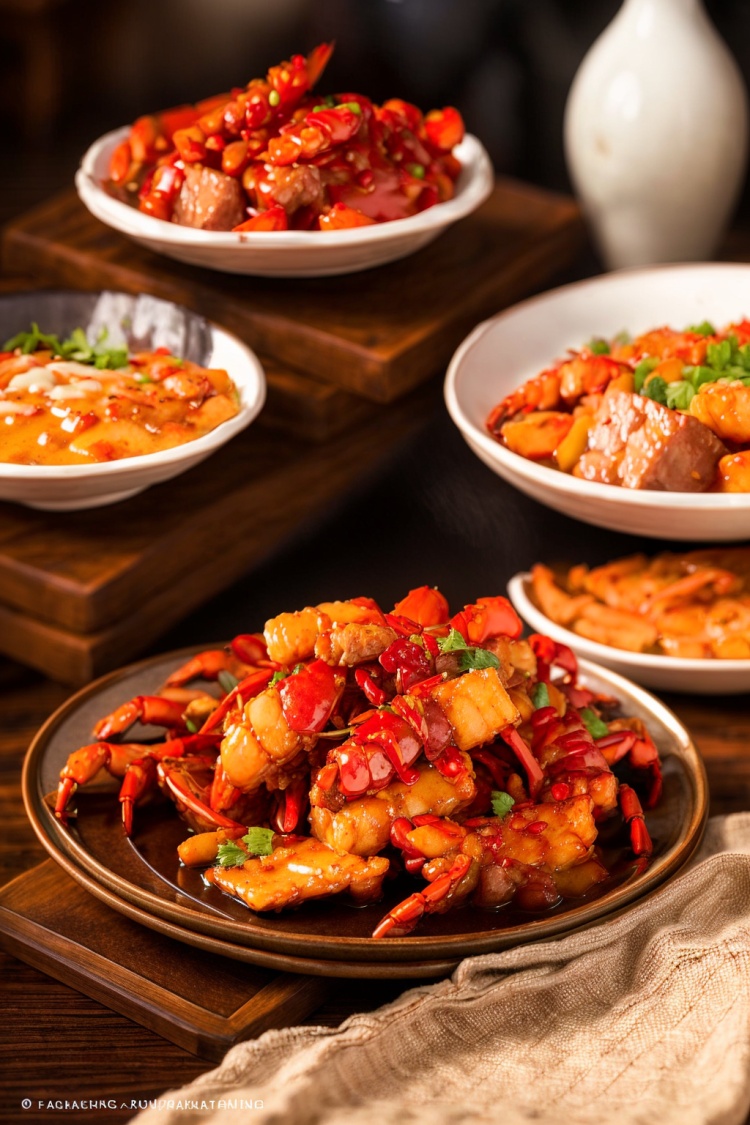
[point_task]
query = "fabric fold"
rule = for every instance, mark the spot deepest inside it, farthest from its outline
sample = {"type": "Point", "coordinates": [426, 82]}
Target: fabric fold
{"type": "Point", "coordinates": [638, 1019]}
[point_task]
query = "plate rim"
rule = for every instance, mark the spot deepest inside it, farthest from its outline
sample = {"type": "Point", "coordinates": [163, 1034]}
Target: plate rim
{"type": "Point", "coordinates": [409, 949]}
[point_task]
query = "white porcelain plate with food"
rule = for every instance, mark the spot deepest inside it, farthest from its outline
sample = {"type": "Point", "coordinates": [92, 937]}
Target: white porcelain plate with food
{"type": "Point", "coordinates": [676, 445]}
{"type": "Point", "coordinates": [292, 253]}
{"type": "Point", "coordinates": [105, 394]}
{"type": "Point", "coordinates": [702, 676]}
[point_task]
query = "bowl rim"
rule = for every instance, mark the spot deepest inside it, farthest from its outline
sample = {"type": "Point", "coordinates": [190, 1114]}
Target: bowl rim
{"type": "Point", "coordinates": [552, 479]}
{"type": "Point", "coordinates": [476, 182]}
{"type": "Point", "coordinates": [143, 462]}
{"type": "Point", "coordinates": [598, 652]}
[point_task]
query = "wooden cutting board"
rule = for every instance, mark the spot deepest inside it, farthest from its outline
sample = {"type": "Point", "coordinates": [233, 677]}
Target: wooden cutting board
{"type": "Point", "coordinates": [84, 592]}
{"type": "Point", "coordinates": [378, 333]}
{"type": "Point", "coordinates": [203, 1003]}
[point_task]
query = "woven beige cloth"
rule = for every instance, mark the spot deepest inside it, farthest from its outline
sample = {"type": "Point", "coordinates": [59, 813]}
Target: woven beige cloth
{"type": "Point", "coordinates": [643, 1019]}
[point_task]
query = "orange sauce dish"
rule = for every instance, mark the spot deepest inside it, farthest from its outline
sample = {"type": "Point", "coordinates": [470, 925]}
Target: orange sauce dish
{"type": "Point", "coordinates": [57, 411]}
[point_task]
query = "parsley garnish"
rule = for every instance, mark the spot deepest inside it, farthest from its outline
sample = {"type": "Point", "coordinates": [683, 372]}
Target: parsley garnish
{"type": "Point", "coordinates": [502, 802]}
{"type": "Point", "coordinates": [596, 727]}
{"type": "Point", "coordinates": [540, 696]}
{"type": "Point", "coordinates": [469, 659]}
{"type": "Point", "coordinates": [75, 347]}
{"type": "Point", "coordinates": [231, 855]}
{"type": "Point", "coordinates": [656, 390]}
{"type": "Point", "coordinates": [258, 841]}
{"type": "Point", "coordinates": [644, 368]}
{"type": "Point", "coordinates": [705, 328]}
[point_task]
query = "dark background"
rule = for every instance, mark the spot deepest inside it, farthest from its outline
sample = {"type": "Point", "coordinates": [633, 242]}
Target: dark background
{"type": "Point", "coordinates": [72, 69]}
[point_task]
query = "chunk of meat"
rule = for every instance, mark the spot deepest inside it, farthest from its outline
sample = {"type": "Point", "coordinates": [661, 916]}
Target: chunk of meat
{"type": "Point", "coordinates": [477, 707]}
{"type": "Point", "coordinates": [347, 645]}
{"type": "Point", "coordinates": [291, 637]}
{"type": "Point", "coordinates": [302, 870]}
{"type": "Point", "coordinates": [209, 200]}
{"type": "Point", "coordinates": [259, 744]}
{"type": "Point", "coordinates": [363, 826]}
{"type": "Point", "coordinates": [641, 444]}
{"type": "Point", "coordinates": [295, 186]}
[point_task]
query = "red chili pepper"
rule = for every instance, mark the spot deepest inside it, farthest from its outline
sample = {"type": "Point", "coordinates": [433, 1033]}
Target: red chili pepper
{"type": "Point", "coordinates": [548, 653]}
{"type": "Point", "coordinates": [309, 696]}
{"type": "Point", "coordinates": [373, 693]}
{"type": "Point", "coordinates": [327, 776]}
{"type": "Point", "coordinates": [402, 625]}
{"type": "Point", "coordinates": [449, 763]}
{"type": "Point", "coordinates": [486, 618]}
{"type": "Point", "coordinates": [340, 123]}
{"type": "Point", "coordinates": [525, 757]}
{"type": "Point", "coordinates": [408, 661]}
{"type": "Point", "coordinates": [425, 605]}
{"type": "Point", "coordinates": [412, 717]}
{"type": "Point", "coordinates": [250, 648]}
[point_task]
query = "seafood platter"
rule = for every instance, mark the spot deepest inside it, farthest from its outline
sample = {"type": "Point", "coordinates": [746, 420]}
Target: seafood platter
{"type": "Point", "coordinates": [464, 787]}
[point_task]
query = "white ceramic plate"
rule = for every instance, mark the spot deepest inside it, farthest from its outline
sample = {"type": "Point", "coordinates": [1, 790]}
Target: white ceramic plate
{"type": "Point", "coordinates": [502, 353]}
{"type": "Point", "coordinates": [671, 673]}
{"type": "Point", "coordinates": [143, 322]}
{"type": "Point", "coordinates": [284, 253]}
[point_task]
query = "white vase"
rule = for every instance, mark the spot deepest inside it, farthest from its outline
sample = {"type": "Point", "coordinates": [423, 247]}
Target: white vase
{"type": "Point", "coordinates": [656, 134]}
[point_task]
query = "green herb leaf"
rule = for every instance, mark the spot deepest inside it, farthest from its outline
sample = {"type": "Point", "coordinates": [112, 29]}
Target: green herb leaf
{"type": "Point", "coordinates": [719, 356]}
{"type": "Point", "coordinates": [475, 659]}
{"type": "Point", "coordinates": [596, 727]}
{"type": "Point", "coordinates": [699, 375]}
{"type": "Point", "coordinates": [231, 855]}
{"type": "Point", "coordinates": [540, 696]}
{"type": "Point", "coordinates": [656, 390]}
{"type": "Point", "coordinates": [705, 328]}
{"type": "Point", "coordinates": [355, 107]}
{"type": "Point", "coordinates": [680, 394]}
{"type": "Point", "coordinates": [644, 368]}
{"type": "Point", "coordinates": [191, 726]}
{"type": "Point", "coordinates": [622, 338]}
{"type": "Point", "coordinates": [597, 346]}
{"type": "Point", "coordinates": [227, 682]}
{"type": "Point", "coordinates": [259, 841]}
{"type": "Point", "coordinates": [502, 802]}
{"type": "Point", "coordinates": [452, 643]}
{"type": "Point", "coordinates": [280, 675]}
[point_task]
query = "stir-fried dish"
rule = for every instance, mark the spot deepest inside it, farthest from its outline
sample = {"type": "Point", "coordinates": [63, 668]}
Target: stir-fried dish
{"type": "Point", "coordinates": [70, 402]}
{"type": "Point", "coordinates": [274, 156]}
{"type": "Point", "coordinates": [668, 411]}
{"type": "Point", "coordinates": [693, 605]}
{"type": "Point", "coordinates": [352, 743]}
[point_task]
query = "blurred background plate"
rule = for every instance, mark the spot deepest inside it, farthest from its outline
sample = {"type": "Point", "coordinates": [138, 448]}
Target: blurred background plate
{"type": "Point", "coordinates": [499, 355]}
{"type": "Point", "coordinates": [144, 871]}
{"type": "Point", "coordinates": [140, 323]}
{"type": "Point", "coordinates": [672, 673]}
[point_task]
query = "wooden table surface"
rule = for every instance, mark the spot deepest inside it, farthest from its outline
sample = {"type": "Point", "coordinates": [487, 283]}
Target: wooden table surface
{"type": "Point", "coordinates": [436, 515]}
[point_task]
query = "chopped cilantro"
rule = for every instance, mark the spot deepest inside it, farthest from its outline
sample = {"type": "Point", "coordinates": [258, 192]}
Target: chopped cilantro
{"type": "Point", "coordinates": [680, 394]}
{"type": "Point", "coordinates": [597, 346]}
{"type": "Point", "coordinates": [258, 841]}
{"type": "Point", "coordinates": [623, 338]}
{"type": "Point", "coordinates": [644, 368]}
{"type": "Point", "coordinates": [452, 643]}
{"type": "Point", "coordinates": [231, 855]}
{"type": "Point", "coordinates": [191, 726]}
{"type": "Point", "coordinates": [540, 696]}
{"type": "Point", "coordinates": [596, 727]}
{"type": "Point", "coordinates": [280, 675]}
{"type": "Point", "coordinates": [719, 356]}
{"type": "Point", "coordinates": [705, 328]}
{"type": "Point", "coordinates": [75, 347]}
{"type": "Point", "coordinates": [502, 802]}
{"type": "Point", "coordinates": [470, 659]}
{"type": "Point", "coordinates": [656, 390]}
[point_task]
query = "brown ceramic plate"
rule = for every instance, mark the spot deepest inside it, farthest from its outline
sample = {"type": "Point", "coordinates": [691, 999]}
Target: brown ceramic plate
{"type": "Point", "coordinates": [143, 878]}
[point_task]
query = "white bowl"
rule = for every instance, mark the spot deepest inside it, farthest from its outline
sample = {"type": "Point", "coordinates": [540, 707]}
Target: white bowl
{"type": "Point", "coordinates": [502, 353]}
{"type": "Point", "coordinates": [672, 673]}
{"type": "Point", "coordinates": [148, 322]}
{"type": "Point", "coordinates": [284, 253]}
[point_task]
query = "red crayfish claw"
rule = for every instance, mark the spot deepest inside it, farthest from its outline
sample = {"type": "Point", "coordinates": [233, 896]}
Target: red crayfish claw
{"type": "Point", "coordinates": [404, 917]}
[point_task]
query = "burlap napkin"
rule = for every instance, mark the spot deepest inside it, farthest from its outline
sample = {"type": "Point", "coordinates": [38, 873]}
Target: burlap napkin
{"type": "Point", "coordinates": [645, 1018]}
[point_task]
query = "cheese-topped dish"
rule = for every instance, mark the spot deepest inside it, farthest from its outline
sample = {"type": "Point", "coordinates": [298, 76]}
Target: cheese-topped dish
{"type": "Point", "coordinates": [72, 402]}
